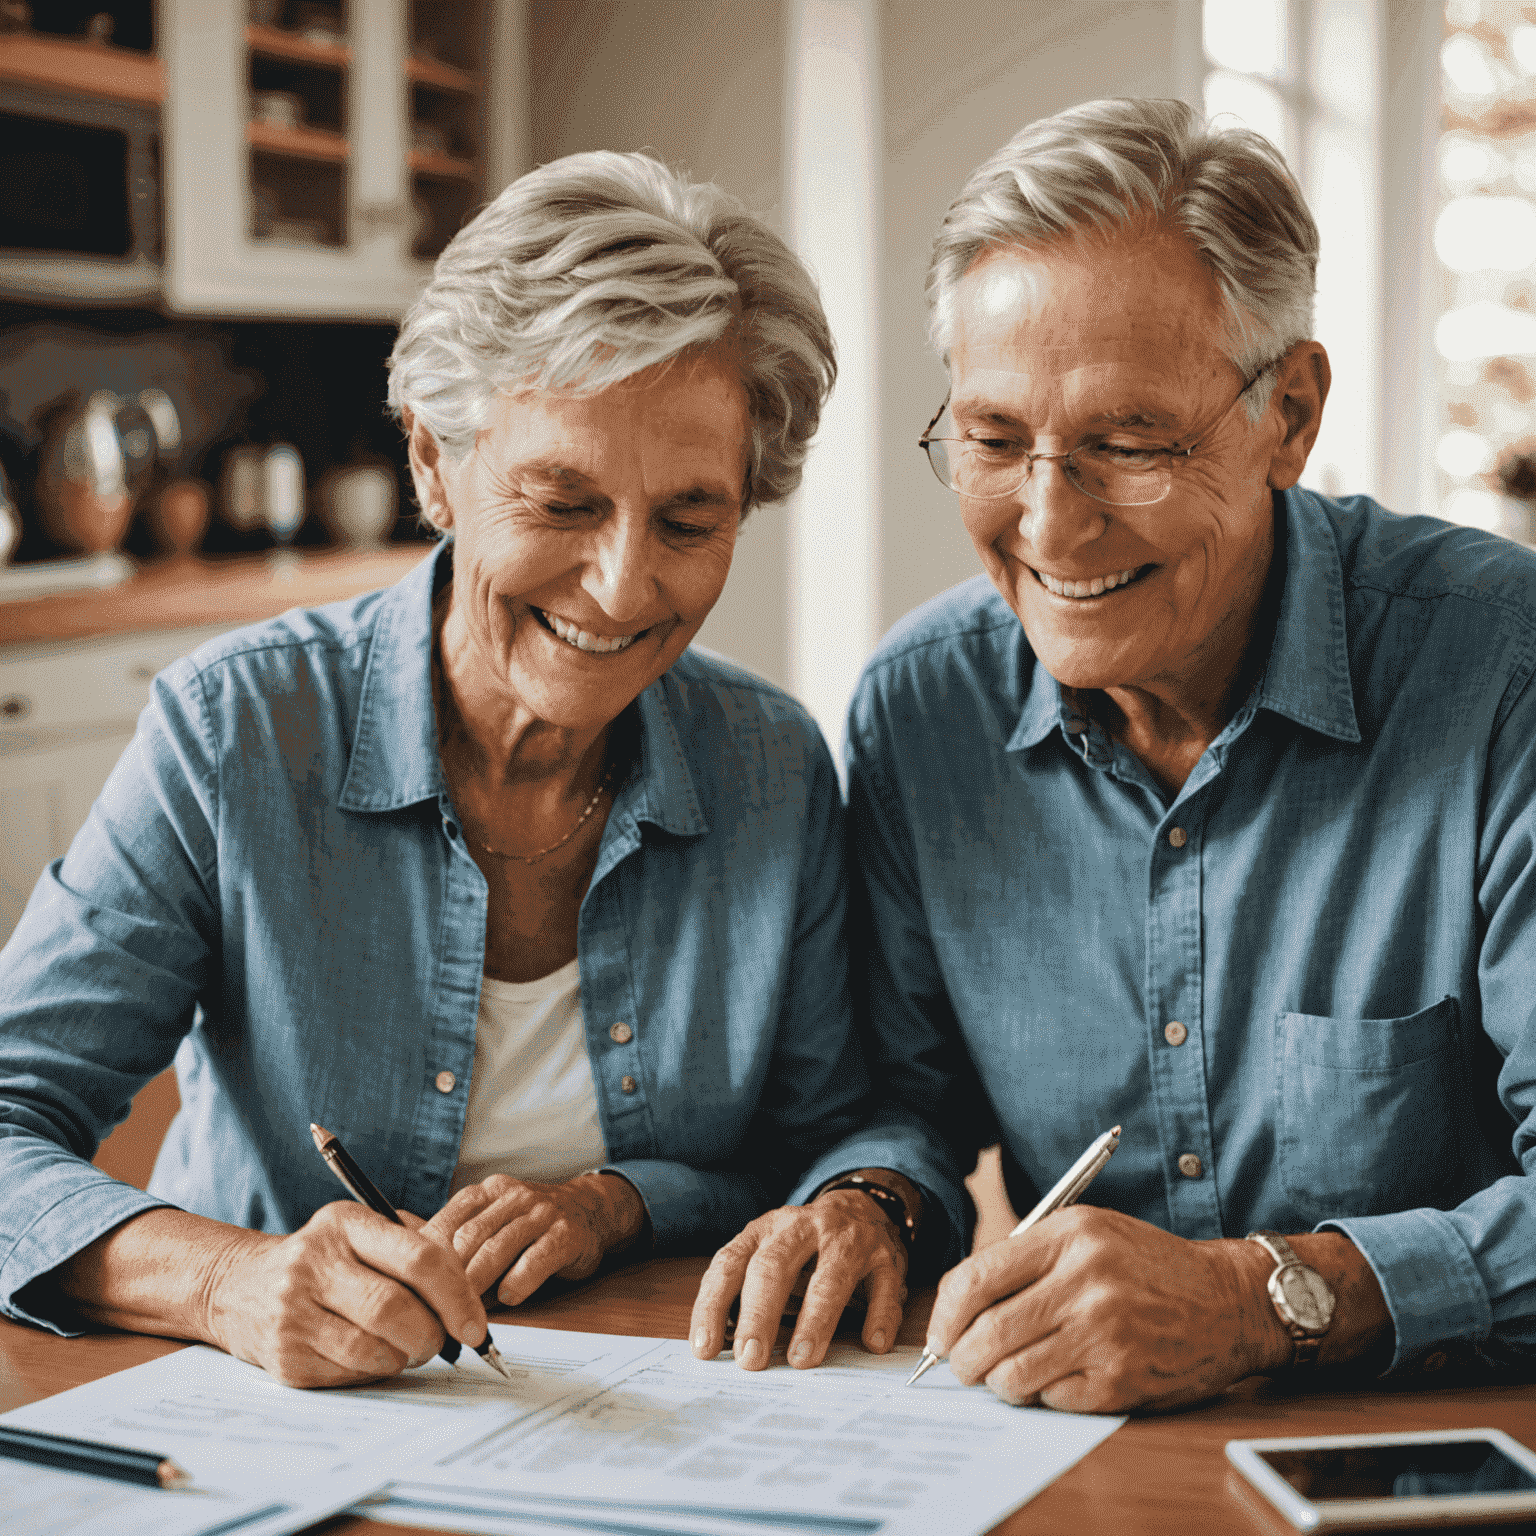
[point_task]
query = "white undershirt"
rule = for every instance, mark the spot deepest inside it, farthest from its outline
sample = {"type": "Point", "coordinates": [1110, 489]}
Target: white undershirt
{"type": "Point", "coordinates": [532, 1108]}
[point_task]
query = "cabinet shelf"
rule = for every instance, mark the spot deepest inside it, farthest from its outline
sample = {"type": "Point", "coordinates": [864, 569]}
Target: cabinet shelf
{"type": "Point", "coordinates": [83, 69]}
{"type": "Point", "coordinates": [298, 143]}
{"type": "Point", "coordinates": [275, 43]}
{"type": "Point", "coordinates": [442, 77]}
{"type": "Point", "coordinates": [443, 167]}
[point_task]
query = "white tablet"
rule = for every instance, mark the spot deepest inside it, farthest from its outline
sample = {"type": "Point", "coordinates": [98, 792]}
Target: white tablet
{"type": "Point", "coordinates": [1356, 1482]}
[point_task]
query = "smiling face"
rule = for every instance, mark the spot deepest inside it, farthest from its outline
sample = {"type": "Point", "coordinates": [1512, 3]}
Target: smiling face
{"type": "Point", "coordinates": [593, 535]}
{"type": "Point", "coordinates": [1116, 342]}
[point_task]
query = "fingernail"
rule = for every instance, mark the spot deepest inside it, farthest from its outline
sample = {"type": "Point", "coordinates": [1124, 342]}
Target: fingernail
{"type": "Point", "coordinates": [700, 1342]}
{"type": "Point", "coordinates": [877, 1340]}
{"type": "Point", "coordinates": [800, 1354]}
{"type": "Point", "coordinates": [751, 1353]}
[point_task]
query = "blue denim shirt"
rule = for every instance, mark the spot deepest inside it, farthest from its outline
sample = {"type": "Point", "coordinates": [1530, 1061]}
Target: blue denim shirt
{"type": "Point", "coordinates": [273, 888]}
{"type": "Point", "coordinates": [1338, 907]}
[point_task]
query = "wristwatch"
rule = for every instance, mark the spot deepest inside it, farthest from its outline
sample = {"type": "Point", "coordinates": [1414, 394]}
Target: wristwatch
{"type": "Point", "coordinates": [1303, 1299]}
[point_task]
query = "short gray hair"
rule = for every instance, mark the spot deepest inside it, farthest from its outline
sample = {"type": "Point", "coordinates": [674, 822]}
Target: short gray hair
{"type": "Point", "coordinates": [1103, 165]}
{"type": "Point", "coordinates": [595, 266]}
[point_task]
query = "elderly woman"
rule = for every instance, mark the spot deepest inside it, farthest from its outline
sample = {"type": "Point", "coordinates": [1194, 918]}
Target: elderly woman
{"type": "Point", "coordinates": [539, 911]}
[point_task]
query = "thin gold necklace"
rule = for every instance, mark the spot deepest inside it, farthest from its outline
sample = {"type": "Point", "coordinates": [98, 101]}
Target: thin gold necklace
{"type": "Point", "coordinates": [543, 853]}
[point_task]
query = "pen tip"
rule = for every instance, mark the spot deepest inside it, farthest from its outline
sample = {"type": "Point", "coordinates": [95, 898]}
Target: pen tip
{"type": "Point", "coordinates": [319, 1133]}
{"type": "Point", "coordinates": [1114, 1130]}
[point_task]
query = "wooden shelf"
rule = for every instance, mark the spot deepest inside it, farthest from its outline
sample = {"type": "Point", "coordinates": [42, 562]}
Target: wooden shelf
{"type": "Point", "coordinates": [82, 69]}
{"type": "Point", "coordinates": [444, 77]}
{"type": "Point", "coordinates": [298, 143]}
{"type": "Point", "coordinates": [444, 167]}
{"type": "Point", "coordinates": [275, 43]}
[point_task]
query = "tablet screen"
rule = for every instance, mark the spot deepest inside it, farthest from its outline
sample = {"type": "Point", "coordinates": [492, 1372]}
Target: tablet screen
{"type": "Point", "coordinates": [1422, 1470]}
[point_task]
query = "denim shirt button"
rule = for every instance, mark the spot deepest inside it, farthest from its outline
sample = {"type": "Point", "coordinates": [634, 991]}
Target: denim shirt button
{"type": "Point", "coordinates": [1175, 1033]}
{"type": "Point", "coordinates": [620, 1034]}
{"type": "Point", "coordinates": [1178, 837]}
{"type": "Point", "coordinates": [445, 1082]}
{"type": "Point", "coordinates": [1190, 1165]}
{"type": "Point", "coordinates": [628, 1084]}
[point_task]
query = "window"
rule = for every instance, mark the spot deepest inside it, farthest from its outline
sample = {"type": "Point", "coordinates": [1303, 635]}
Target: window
{"type": "Point", "coordinates": [1485, 244]}
{"type": "Point", "coordinates": [1306, 74]}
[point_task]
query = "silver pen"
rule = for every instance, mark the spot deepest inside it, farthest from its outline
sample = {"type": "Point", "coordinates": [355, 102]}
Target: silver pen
{"type": "Point", "coordinates": [1067, 1190]}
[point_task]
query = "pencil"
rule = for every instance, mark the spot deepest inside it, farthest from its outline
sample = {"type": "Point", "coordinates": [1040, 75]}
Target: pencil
{"type": "Point", "coordinates": [67, 1455]}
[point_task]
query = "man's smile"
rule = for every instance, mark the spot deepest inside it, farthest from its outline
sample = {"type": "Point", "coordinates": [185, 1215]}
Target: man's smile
{"type": "Point", "coordinates": [1091, 586]}
{"type": "Point", "coordinates": [582, 640]}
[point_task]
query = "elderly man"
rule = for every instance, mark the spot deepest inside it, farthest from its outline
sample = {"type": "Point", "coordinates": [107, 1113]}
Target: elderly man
{"type": "Point", "coordinates": [1210, 814]}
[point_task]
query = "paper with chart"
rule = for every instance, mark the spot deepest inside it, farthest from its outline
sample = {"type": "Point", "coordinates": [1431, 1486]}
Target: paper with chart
{"type": "Point", "coordinates": [646, 1439]}
{"type": "Point", "coordinates": [630, 1436]}
{"type": "Point", "coordinates": [279, 1459]}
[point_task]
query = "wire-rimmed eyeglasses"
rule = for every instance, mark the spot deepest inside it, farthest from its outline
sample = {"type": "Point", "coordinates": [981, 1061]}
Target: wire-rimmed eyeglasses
{"type": "Point", "coordinates": [1118, 474]}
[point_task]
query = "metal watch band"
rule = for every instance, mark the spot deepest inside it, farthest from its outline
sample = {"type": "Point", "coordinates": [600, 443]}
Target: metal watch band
{"type": "Point", "coordinates": [1305, 1345]}
{"type": "Point", "coordinates": [1275, 1246]}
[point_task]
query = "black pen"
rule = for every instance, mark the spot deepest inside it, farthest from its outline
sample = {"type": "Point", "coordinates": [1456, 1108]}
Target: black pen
{"type": "Point", "coordinates": [361, 1187]}
{"type": "Point", "coordinates": [146, 1467]}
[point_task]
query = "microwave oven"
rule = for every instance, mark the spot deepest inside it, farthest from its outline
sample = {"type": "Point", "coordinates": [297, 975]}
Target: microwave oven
{"type": "Point", "coordinates": [79, 198]}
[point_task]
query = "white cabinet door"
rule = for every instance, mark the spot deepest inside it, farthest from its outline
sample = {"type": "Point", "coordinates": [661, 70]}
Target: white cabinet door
{"type": "Point", "coordinates": [45, 796]}
{"type": "Point", "coordinates": [66, 714]}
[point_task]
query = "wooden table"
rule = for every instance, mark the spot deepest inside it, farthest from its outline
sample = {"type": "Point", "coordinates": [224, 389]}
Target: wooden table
{"type": "Point", "coordinates": [1156, 1475]}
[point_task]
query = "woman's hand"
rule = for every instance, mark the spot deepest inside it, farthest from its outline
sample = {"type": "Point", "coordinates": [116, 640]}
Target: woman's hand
{"type": "Point", "coordinates": [856, 1251]}
{"type": "Point", "coordinates": [348, 1297]}
{"type": "Point", "coordinates": [520, 1233]}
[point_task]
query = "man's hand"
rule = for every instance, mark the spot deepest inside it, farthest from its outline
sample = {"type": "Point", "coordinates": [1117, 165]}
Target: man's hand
{"type": "Point", "coordinates": [1092, 1311]}
{"type": "Point", "coordinates": [856, 1250]}
{"type": "Point", "coordinates": [515, 1234]}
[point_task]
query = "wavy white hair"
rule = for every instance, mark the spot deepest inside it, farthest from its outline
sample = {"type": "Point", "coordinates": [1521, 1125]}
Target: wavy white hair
{"type": "Point", "coordinates": [1105, 164]}
{"type": "Point", "coordinates": [595, 266]}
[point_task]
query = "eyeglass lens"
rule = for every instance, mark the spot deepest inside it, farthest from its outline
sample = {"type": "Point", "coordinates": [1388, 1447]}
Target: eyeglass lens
{"type": "Point", "coordinates": [1117, 476]}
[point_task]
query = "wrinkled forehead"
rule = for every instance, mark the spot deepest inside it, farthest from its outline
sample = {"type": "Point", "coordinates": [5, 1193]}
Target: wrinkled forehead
{"type": "Point", "coordinates": [1134, 329]}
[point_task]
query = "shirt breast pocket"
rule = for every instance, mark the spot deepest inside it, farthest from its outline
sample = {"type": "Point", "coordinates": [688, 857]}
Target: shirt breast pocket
{"type": "Point", "coordinates": [1368, 1111]}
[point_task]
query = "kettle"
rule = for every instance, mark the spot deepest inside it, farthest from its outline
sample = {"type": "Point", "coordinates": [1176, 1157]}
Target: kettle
{"type": "Point", "coordinates": [98, 458]}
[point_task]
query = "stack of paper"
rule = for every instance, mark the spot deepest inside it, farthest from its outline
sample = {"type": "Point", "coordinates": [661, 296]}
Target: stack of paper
{"type": "Point", "coordinates": [595, 1432]}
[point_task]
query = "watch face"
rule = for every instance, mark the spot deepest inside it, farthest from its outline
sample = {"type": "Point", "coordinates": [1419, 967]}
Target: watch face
{"type": "Point", "coordinates": [1305, 1295]}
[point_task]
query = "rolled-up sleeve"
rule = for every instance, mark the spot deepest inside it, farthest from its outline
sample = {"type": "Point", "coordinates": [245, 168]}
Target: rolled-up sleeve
{"type": "Point", "coordinates": [98, 985]}
{"type": "Point", "coordinates": [816, 1090]}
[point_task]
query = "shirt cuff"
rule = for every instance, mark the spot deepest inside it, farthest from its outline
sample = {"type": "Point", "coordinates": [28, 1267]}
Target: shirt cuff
{"type": "Point", "coordinates": [72, 1223]}
{"type": "Point", "coordinates": [692, 1210]}
{"type": "Point", "coordinates": [1427, 1275]}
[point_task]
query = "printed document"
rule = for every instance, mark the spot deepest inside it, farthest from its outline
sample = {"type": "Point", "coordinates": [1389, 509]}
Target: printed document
{"type": "Point", "coordinates": [647, 1440]}
{"type": "Point", "coordinates": [595, 1432]}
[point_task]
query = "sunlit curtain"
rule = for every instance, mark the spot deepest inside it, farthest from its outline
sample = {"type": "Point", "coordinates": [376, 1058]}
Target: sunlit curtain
{"type": "Point", "coordinates": [1485, 241]}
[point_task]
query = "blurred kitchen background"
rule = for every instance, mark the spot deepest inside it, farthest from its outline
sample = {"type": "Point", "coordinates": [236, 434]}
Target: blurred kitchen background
{"type": "Point", "coordinates": [212, 212]}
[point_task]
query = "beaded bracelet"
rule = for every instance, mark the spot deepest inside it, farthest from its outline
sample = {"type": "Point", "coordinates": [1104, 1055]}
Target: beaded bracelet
{"type": "Point", "coordinates": [887, 1199]}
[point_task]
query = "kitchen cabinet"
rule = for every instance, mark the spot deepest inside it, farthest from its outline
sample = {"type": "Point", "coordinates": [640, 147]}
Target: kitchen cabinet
{"type": "Point", "coordinates": [317, 170]}
{"type": "Point", "coordinates": [66, 714]}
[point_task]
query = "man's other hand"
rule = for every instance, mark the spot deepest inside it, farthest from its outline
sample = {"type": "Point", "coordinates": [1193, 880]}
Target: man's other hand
{"type": "Point", "coordinates": [856, 1250]}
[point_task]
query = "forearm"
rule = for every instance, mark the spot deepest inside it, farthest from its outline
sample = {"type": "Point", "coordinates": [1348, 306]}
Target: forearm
{"type": "Point", "coordinates": [1361, 1322]}
{"type": "Point", "coordinates": [156, 1273]}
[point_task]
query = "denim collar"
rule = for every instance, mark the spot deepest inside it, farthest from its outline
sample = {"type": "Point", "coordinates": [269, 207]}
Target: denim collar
{"type": "Point", "coordinates": [1306, 678]}
{"type": "Point", "coordinates": [395, 762]}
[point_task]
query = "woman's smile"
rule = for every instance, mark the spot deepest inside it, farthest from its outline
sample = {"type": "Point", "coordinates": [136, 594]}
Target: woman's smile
{"type": "Point", "coordinates": [574, 635]}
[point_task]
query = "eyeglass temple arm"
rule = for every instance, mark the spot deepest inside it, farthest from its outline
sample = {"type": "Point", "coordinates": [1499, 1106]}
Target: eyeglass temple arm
{"type": "Point", "coordinates": [922, 442]}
